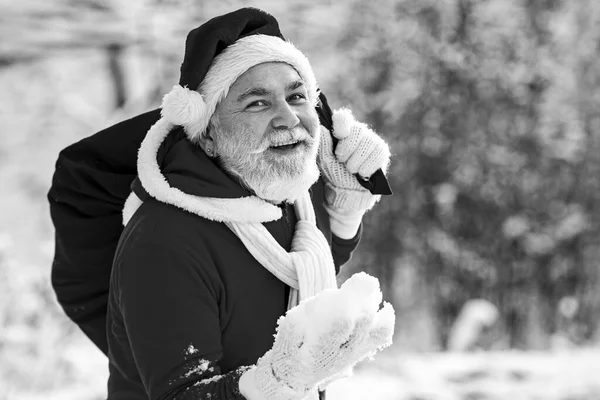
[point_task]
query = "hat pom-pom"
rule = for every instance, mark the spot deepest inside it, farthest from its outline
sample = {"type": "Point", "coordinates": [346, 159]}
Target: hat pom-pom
{"type": "Point", "coordinates": [185, 107]}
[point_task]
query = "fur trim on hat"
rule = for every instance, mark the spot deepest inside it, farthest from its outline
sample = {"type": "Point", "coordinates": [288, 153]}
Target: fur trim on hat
{"type": "Point", "coordinates": [193, 111]}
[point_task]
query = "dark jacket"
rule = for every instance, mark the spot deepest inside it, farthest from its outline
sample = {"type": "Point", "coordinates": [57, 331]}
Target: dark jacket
{"type": "Point", "coordinates": [187, 301]}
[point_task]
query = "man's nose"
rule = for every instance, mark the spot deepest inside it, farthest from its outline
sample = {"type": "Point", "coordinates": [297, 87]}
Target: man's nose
{"type": "Point", "coordinates": [285, 117]}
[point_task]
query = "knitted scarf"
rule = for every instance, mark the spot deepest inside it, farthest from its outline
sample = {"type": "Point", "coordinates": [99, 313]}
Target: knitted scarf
{"type": "Point", "coordinates": [308, 269]}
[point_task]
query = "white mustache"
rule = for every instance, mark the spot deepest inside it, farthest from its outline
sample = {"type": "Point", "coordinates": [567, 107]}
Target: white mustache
{"type": "Point", "coordinates": [297, 134]}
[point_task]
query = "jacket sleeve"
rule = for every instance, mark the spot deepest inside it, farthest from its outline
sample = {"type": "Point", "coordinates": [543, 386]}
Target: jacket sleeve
{"type": "Point", "coordinates": [169, 302]}
{"type": "Point", "coordinates": [342, 249]}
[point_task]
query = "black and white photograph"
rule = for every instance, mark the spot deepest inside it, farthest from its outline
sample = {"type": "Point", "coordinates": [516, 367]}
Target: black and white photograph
{"type": "Point", "coordinates": [300, 200]}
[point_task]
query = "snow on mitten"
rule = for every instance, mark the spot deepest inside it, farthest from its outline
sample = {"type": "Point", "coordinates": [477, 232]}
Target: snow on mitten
{"type": "Point", "coordinates": [321, 339]}
{"type": "Point", "coordinates": [374, 325]}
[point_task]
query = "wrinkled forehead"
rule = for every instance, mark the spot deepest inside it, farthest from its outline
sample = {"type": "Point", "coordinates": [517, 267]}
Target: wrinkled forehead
{"type": "Point", "coordinates": [265, 77]}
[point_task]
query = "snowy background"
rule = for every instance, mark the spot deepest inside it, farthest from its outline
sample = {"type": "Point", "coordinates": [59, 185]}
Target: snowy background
{"type": "Point", "coordinates": [489, 248]}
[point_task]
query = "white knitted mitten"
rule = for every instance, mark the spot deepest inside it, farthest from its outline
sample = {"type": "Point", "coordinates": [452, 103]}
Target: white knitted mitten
{"type": "Point", "coordinates": [321, 339]}
{"type": "Point", "coordinates": [359, 151]}
{"type": "Point", "coordinates": [342, 189]}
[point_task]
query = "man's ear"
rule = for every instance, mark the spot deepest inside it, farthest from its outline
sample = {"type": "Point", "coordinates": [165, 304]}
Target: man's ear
{"type": "Point", "coordinates": [206, 141]}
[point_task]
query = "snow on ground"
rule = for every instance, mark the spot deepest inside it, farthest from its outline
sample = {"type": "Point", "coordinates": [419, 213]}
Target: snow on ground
{"type": "Point", "coordinates": [59, 363]}
{"type": "Point", "coordinates": [511, 375]}
{"type": "Point", "coordinates": [85, 379]}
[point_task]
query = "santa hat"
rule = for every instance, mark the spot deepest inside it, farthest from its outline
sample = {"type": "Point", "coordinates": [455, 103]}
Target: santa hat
{"type": "Point", "coordinates": [216, 54]}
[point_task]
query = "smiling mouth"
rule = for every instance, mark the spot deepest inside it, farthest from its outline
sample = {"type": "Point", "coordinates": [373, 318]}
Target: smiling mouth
{"type": "Point", "coordinates": [285, 146]}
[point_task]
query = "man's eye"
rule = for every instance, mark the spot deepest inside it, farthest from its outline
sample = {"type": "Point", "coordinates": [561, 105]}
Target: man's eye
{"type": "Point", "coordinates": [297, 98]}
{"type": "Point", "coordinates": [257, 103]}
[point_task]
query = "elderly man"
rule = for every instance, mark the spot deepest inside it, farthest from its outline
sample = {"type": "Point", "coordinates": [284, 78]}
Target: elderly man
{"type": "Point", "coordinates": [241, 210]}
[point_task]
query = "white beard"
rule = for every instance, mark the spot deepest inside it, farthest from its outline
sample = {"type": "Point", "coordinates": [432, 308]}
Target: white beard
{"type": "Point", "coordinates": [275, 178]}
{"type": "Point", "coordinates": [279, 189]}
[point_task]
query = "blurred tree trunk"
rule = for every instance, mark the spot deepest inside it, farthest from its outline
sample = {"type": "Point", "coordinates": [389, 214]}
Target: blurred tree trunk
{"type": "Point", "coordinates": [414, 299]}
{"type": "Point", "coordinates": [114, 52]}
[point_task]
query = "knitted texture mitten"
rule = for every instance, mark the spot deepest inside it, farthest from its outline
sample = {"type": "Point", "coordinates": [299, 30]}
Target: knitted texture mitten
{"type": "Point", "coordinates": [359, 151]}
{"type": "Point", "coordinates": [322, 338]}
{"type": "Point", "coordinates": [342, 189]}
